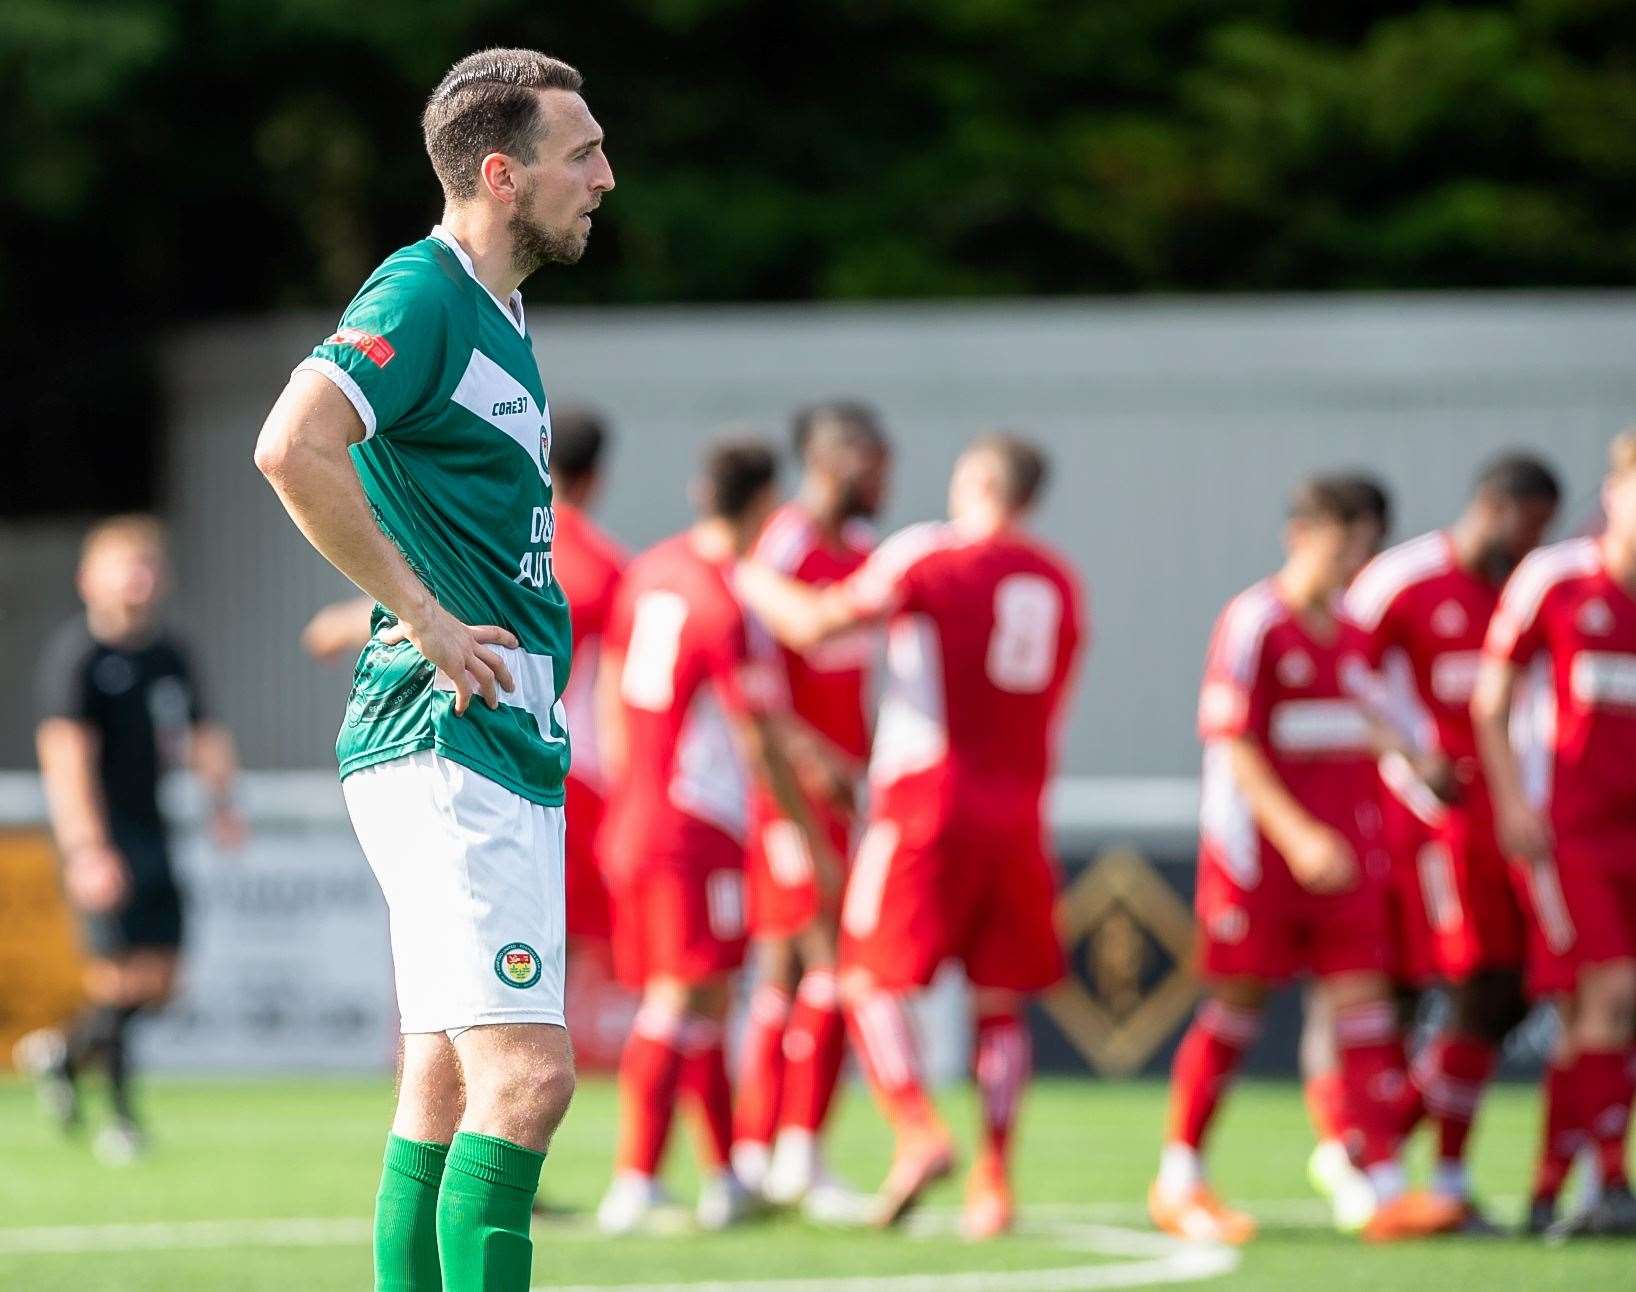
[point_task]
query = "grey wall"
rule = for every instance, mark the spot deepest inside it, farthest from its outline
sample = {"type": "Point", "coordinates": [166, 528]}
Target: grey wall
{"type": "Point", "coordinates": [1175, 428]}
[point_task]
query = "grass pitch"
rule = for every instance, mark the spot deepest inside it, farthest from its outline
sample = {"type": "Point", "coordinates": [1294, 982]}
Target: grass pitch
{"type": "Point", "coordinates": [256, 1185]}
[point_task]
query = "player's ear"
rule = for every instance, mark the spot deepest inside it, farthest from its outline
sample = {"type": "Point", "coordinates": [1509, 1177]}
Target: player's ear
{"type": "Point", "coordinates": [497, 176]}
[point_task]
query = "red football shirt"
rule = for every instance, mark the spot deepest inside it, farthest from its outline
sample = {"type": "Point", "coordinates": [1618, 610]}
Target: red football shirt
{"type": "Point", "coordinates": [588, 564]}
{"type": "Point", "coordinates": [689, 667]}
{"type": "Point", "coordinates": [983, 637]}
{"type": "Point", "coordinates": [826, 683]}
{"type": "Point", "coordinates": [1296, 694]}
{"type": "Point", "coordinates": [1566, 616]}
{"type": "Point", "coordinates": [1425, 617]}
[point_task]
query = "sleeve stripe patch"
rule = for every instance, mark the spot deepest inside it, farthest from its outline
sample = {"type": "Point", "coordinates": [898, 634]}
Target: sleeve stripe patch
{"type": "Point", "coordinates": [343, 382]}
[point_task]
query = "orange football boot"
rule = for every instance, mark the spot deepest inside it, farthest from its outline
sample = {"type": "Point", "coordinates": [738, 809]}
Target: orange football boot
{"type": "Point", "coordinates": [1413, 1215]}
{"type": "Point", "coordinates": [989, 1207]}
{"type": "Point", "coordinates": [1200, 1217]}
{"type": "Point", "coordinates": [924, 1156]}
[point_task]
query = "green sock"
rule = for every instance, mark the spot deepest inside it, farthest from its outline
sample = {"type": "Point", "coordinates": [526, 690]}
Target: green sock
{"type": "Point", "coordinates": [483, 1213]}
{"type": "Point", "coordinates": [406, 1217]}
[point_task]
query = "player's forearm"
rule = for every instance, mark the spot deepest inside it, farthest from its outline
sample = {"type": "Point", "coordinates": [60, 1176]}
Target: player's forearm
{"type": "Point", "coordinates": [610, 714]}
{"type": "Point", "coordinates": [798, 615]}
{"type": "Point", "coordinates": [215, 761]}
{"type": "Point", "coordinates": [1276, 811]}
{"type": "Point", "coordinates": [1491, 702]}
{"type": "Point", "coordinates": [771, 765]}
{"type": "Point", "coordinates": [68, 774]}
{"type": "Point", "coordinates": [302, 451]}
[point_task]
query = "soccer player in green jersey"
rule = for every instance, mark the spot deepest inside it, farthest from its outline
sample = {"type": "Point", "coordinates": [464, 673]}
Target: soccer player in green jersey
{"type": "Point", "coordinates": [412, 448]}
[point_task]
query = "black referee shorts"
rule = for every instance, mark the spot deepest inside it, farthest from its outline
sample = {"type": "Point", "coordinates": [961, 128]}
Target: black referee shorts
{"type": "Point", "coordinates": [151, 915]}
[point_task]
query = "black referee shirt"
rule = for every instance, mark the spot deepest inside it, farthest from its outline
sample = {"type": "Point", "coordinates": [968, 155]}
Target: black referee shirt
{"type": "Point", "coordinates": [142, 700]}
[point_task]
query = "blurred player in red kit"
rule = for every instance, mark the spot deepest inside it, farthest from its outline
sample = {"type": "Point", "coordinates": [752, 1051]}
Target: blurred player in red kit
{"type": "Point", "coordinates": [587, 564]}
{"type": "Point", "coordinates": [689, 703]}
{"type": "Point", "coordinates": [984, 633]}
{"type": "Point", "coordinates": [1561, 653]}
{"type": "Point", "coordinates": [1425, 606]}
{"type": "Point", "coordinates": [795, 1039]}
{"type": "Point", "coordinates": [1292, 869]}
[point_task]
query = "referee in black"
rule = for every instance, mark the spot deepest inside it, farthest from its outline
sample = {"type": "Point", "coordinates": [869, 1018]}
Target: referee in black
{"type": "Point", "coordinates": [118, 706]}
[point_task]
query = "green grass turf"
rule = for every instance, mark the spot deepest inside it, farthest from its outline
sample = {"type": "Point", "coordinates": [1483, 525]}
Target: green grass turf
{"type": "Point", "coordinates": [236, 1150]}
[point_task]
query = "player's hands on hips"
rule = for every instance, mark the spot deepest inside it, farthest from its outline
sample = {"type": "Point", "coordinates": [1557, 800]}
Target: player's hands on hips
{"type": "Point", "coordinates": [461, 653]}
{"type": "Point", "coordinates": [1322, 861]}
{"type": "Point", "coordinates": [96, 877]}
{"type": "Point", "coordinates": [1524, 833]}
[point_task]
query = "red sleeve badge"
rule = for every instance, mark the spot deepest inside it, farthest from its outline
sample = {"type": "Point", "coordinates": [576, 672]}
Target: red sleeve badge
{"type": "Point", "coordinates": [377, 349]}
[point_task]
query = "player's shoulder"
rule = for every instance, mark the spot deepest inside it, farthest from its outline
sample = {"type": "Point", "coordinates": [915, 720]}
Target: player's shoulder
{"type": "Point", "coordinates": [1394, 572]}
{"type": "Point", "coordinates": [422, 281]}
{"type": "Point", "coordinates": [1246, 620]}
{"type": "Point", "coordinates": [70, 644]}
{"type": "Point", "coordinates": [914, 544]}
{"type": "Point", "coordinates": [1028, 551]}
{"type": "Point", "coordinates": [786, 539]}
{"type": "Point", "coordinates": [1548, 568]}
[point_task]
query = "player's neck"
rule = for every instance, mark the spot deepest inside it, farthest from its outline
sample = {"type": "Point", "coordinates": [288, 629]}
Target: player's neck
{"type": "Point", "coordinates": [487, 241]}
{"type": "Point", "coordinates": [1304, 591]}
{"type": "Point", "coordinates": [822, 509]}
{"type": "Point", "coordinates": [982, 522]}
{"type": "Point", "coordinates": [116, 626]}
{"type": "Point", "coordinates": [715, 540]}
{"type": "Point", "coordinates": [1619, 555]}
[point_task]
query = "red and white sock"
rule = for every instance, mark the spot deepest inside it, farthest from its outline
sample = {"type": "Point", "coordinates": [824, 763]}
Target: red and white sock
{"type": "Point", "coordinates": [649, 1071]}
{"type": "Point", "coordinates": [1204, 1063]}
{"type": "Point", "coordinates": [761, 1068]}
{"type": "Point", "coordinates": [1326, 1104]}
{"type": "Point", "coordinates": [1564, 1130]}
{"type": "Point", "coordinates": [1372, 1077]}
{"type": "Point", "coordinates": [704, 1078]}
{"type": "Point", "coordinates": [885, 1038]}
{"type": "Point", "coordinates": [814, 1047]}
{"type": "Point", "coordinates": [1451, 1074]}
{"type": "Point", "coordinates": [1004, 1060]}
{"type": "Point", "coordinates": [1606, 1088]}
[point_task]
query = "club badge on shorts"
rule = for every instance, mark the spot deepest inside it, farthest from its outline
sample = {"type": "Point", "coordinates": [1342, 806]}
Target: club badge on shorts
{"type": "Point", "coordinates": [517, 965]}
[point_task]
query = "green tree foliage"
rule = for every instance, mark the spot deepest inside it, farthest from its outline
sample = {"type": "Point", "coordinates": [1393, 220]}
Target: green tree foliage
{"type": "Point", "coordinates": [171, 158]}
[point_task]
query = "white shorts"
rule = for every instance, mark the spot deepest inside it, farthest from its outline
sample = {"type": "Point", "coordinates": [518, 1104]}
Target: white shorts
{"type": "Point", "coordinates": [472, 875]}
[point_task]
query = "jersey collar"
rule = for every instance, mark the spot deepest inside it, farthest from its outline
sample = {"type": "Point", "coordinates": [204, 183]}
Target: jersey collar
{"type": "Point", "coordinates": [512, 309]}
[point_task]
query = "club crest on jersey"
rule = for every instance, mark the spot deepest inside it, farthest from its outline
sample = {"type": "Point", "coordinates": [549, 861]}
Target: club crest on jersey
{"type": "Point", "coordinates": [1449, 619]}
{"type": "Point", "coordinates": [517, 965]}
{"type": "Point", "coordinates": [1295, 668]}
{"type": "Point", "coordinates": [1230, 924]}
{"type": "Point", "coordinates": [377, 349]}
{"type": "Point", "coordinates": [545, 448]}
{"type": "Point", "coordinates": [1594, 618]}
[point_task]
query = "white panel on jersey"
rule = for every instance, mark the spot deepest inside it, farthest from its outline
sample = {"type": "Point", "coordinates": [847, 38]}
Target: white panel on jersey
{"type": "Point", "coordinates": [1604, 679]}
{"type": "Point", "coordinates": [1454, 676]}
{"type": "Point", "coordinates": [579, 703]}
{"type": "Point", "coordinates": [710, 781]}
{"type": "Point", "coordinates": [502, 401]}
{"type": "Point", "coordinates": [911, 733]}
{"type": "Point", "coordinates": [534, 687]}
{"type": "Point", "coordinates": [1533, 731]}
{"type": "Point", "coordinates": [1319, 727]}
{"type": "Point", "coordinates": [1225, 820]}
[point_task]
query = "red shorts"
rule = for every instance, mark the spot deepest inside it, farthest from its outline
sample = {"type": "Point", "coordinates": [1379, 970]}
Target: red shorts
{"type": "Point", "coordinates": [931, 882]}
{"type": "Point", "coordinates": [783, 897]}
{"type": "Point", "coordinates": [1582, 911]}
{"type": "Point", "coordinates": [1472, 898]}
{"type": "Point", "coordinates": [1267, 926]}
{"type": "Point", "coordinates": [587, 895]}
{"type": "Point", "coordinates": [1407, 836]}
{"type": "Point", "coordinates": [680, 913]}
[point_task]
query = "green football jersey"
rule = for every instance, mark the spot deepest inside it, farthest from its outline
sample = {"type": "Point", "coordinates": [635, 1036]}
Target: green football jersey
{"type": "Point", "coordinates": [455, 464]}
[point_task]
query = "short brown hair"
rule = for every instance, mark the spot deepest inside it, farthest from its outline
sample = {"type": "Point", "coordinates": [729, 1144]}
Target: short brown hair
{"type": "Point", "coordinates": [1335, 498]}
{"type": "Point", "coordinates": [487, 103]}
{"type": "Point", "coordinates": [1622, 452]}
{"type": "Point", "coordinates": [737, 470]}
{"type": "Point", "coordinates": [135, 526]}
{"type": "Point", "coordinates": [1024, 468]}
